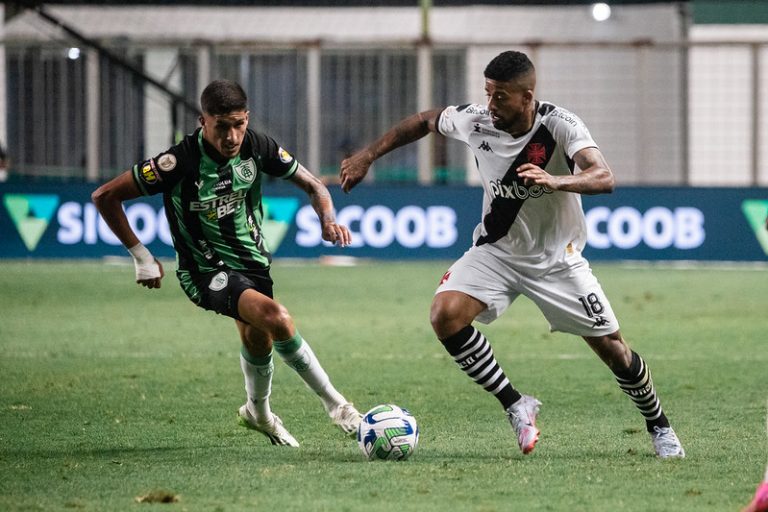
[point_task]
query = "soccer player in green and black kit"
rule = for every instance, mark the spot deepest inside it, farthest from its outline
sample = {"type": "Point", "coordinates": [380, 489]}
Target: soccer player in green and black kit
{"type": "Point", "coordinates": [211, 186]}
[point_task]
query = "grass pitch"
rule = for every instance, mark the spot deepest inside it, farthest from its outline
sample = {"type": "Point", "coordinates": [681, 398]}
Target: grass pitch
{"type": "Point", "coordinates": [113, 396]}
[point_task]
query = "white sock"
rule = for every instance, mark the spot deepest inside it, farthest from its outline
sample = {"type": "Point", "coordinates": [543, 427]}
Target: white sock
{"type": "Point", "coordinates": [305, 363]}
{"type": "Point", "coordinates": [258, 386]}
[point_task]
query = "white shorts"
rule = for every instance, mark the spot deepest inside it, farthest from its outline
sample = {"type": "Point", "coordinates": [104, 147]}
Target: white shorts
{"type": "Point", "coordinates": [570, 296]}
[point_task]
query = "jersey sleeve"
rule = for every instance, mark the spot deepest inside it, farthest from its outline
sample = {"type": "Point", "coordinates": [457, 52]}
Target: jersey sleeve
{"type": "Point", "coordinates": [569, 131]}
{"type": "Point", "coordinates": [162, 172]}
{"type": "Point", "coordinates": [457, 122]}
{"type": "Point", "coordinates": [275, 160]}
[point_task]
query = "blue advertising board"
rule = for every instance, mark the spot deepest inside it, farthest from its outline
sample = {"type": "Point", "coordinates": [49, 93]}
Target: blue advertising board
{"type": "Point", "coordinates": [402, 222]}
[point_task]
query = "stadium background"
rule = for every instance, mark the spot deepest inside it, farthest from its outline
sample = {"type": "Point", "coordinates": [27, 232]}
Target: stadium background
{"type": "Point", "coordinates": [672, 91]}
{"type": "Point", "coordinates": [113, 396]}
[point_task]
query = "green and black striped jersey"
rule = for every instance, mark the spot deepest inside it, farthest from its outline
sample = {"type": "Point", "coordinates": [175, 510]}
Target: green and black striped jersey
{"type": "Point", "coordinates": [214, 207]}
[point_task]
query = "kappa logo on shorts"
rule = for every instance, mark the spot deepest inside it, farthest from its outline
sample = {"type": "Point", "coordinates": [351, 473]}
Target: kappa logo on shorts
{"type": "Point", "coordinates": [219, 282]}
{"type": "Point", "coordinates": [445, 277]}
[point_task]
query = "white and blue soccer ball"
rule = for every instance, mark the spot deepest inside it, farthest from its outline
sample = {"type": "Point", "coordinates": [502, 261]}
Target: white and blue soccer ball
{"type": "Point", "coordinates": [388, 432]}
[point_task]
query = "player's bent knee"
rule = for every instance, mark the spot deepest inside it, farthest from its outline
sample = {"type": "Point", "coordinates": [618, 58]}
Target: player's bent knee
{"type": "Point", "coordinates": [445, 322]}
{"type": "Point", "coordinates": [278, 321]}
{"type": "Point", "coordinates": [267, 316]}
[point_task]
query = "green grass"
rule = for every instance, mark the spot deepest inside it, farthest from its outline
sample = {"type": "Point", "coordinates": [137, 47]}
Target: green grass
{"type": "Point", "coordinates": [109, 391]}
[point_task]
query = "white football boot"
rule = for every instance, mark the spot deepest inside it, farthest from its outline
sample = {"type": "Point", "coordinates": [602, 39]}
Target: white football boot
{"type": "Point", "coordinates": [522, 416]}
{"type": "Point", "coordinates": [666, 443]}
{"type": "Point", "coordinates": [273, 428]}
{"type": "Point", "coordinates": [347, 418]}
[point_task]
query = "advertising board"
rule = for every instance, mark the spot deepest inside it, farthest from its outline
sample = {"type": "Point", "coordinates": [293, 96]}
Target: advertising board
{"type": "Point", "coordinates": [403, 222]}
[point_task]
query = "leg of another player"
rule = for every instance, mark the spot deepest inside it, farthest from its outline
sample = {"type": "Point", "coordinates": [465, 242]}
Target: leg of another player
{"type": "Point", "coordinates": [759, 502]}
{"type": "Point", "coordinates": [257, 309]}
{"type": "Point", "coordinates": [451, 316]}
{"type": "Point", "coordinates": [634, 379]}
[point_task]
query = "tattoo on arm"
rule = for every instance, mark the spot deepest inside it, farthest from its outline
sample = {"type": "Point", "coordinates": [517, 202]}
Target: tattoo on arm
{"type": "Point", "coordinates": [408, 130]}
{"type": "Point", "coordinates": [319, 196]}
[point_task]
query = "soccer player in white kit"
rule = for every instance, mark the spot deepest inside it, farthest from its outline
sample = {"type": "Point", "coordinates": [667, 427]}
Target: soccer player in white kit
{"type": "Point", "coordinates": [535, 160]}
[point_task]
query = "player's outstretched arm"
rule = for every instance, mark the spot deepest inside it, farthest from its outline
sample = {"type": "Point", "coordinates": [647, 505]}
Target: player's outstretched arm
{"type": "Point", "coordinates": [595, 176]}
{"type": "Point", "coordinates": [108, 199]}
{"type": "Point", "coordinates": [410, 129]}
{"type": "Point", "coordinates": [321, 202]}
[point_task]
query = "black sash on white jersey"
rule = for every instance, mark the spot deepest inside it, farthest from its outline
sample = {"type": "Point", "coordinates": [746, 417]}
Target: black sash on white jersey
{"type": "Point", "coordinates": [504, 210]}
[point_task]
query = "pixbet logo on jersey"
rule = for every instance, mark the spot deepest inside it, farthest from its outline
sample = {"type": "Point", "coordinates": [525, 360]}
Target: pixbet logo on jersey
{"type": "Point", "coordinates": [515, 190]}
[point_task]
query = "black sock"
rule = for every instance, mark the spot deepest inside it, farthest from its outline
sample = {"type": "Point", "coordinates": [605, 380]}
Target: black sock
{"type": "Point", "coordinates": [637, 383]}
{"type": "Point", "coordinates": [474, 355]}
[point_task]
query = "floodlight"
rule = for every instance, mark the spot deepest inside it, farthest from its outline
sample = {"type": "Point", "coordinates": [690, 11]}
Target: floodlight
{"type": "Point", "coordinates": [601, 11]}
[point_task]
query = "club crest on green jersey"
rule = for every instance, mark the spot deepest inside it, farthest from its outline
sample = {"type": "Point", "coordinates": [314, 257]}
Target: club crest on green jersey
{"type": "Point", "coordinates": [246, 170]}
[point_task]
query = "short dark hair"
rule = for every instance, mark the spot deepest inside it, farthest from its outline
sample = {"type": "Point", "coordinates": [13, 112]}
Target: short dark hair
{"type": "Point", "coordinates": [222, 97]}
{"type": "Point", "coordinates": [508, 66]}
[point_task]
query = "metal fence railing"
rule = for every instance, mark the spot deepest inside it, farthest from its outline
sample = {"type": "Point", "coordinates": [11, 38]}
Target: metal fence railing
{"type": "Point", "coordinates": [687, 113]}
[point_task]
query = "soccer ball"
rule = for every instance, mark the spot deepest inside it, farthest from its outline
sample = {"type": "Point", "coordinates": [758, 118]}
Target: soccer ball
{"type": "Point", "coordinates": [388, 432]}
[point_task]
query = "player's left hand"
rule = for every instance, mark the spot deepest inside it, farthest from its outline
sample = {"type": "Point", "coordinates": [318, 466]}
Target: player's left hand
{"type": "Point", "coordinates": [336, 234]}
{"type": "Point", "coordinates": [535, 175]}
{"type": "Point", "coordinates": [354, 169]}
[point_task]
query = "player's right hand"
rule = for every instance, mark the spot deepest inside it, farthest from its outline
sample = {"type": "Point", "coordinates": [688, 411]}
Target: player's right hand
{"type": "Point", "coordinates": [354, 169]}
{"type": "Point", "coordinates": [337, 234]}
{"type": "Point", "coordinates": [149, 274]}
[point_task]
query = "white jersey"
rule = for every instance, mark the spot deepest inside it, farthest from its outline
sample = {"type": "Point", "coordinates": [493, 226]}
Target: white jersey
{"type": "Point", "coordinates": [534, 226]}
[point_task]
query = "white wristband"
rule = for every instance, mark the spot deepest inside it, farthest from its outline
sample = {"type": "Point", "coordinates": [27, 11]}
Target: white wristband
{"type": "Point", "coordinates": [146, 266]}
{"type": "Point", "coordinates": [141, 254]}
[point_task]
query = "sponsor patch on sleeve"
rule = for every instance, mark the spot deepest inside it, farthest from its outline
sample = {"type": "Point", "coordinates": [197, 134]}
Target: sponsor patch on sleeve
{"type": "Point", "coordinates": [148, 172]}
{"type": "Point", "coordinates": [285, 156]}
{"type": "Point", "coordinates": [166, 162]}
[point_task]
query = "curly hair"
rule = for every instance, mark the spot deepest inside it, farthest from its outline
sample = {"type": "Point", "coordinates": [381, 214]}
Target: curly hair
{"type": "Point", "coordinates": [508, 66]}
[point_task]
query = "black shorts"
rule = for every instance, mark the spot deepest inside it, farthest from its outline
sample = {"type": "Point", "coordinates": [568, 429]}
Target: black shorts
{"type": "Point", "coordinates": [220, 290]}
